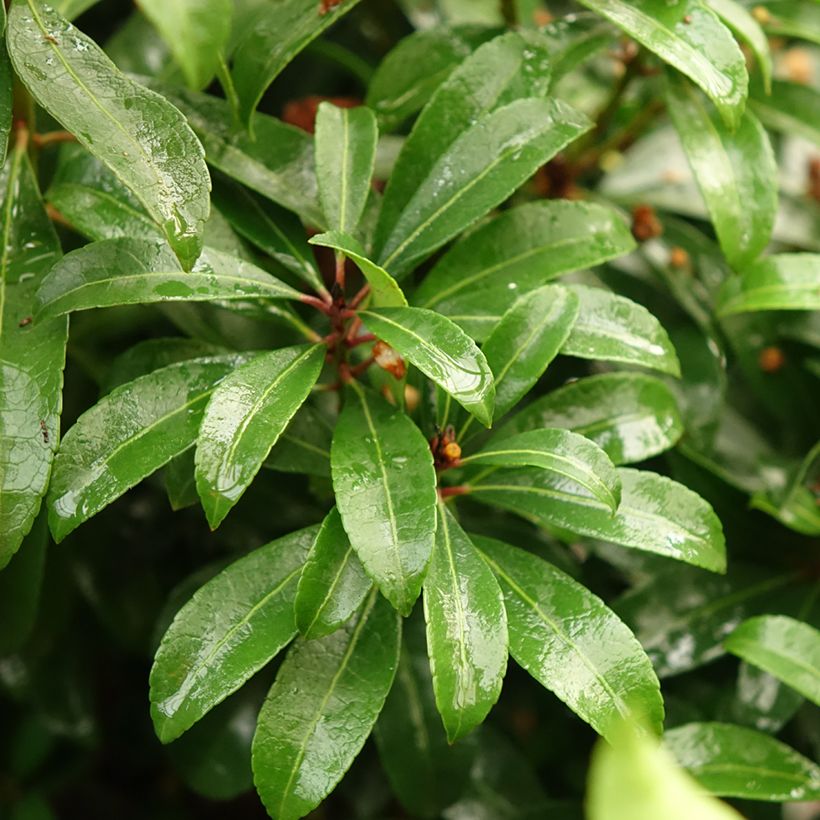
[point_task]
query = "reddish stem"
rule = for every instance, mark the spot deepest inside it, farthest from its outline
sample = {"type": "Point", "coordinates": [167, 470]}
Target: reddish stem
{"type": "Point", "coordinates": [52, 137]}
{"type": "Point", "coordinates": [359, 297]}
{"type": "Point", "coordinates": [361, 340]}
{"type": "Point", "coordinates": [316, 302]}
{"type": "Point", "coordinates": [358, 369]}
{"type": "Point", "coordinates": [340, 271]}
{"type": "Point", "coordinates": [447, 492]}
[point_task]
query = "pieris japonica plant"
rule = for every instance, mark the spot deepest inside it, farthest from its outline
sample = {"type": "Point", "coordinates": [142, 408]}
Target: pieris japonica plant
{"type": "Point", "coordinates": [473, 344]}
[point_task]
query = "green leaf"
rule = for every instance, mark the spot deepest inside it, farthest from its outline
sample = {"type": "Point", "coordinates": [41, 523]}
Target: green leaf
{"type": "Point", "coordinates": [572, 643]}
{"type": "Point", "coordinates": [228, 631]}
{"type": "Point", "coordinates": [442, 351]}
{"type": "Point", "coordinates": [466, 630]}
{"type": "Point", "coordinates": [735, 171]}
{"type": "Point", "coordinates": [386, 291]}
{"type": "Point", "coordinates": [245, 416]}
{"type": "Point", "coordinates": [196, 33]}
{"type": "Point", "coordinates": [509, 67]}
{"type": "Point", "coordinates": [682, 615]}
{"type": "Point", "coordinates": [526, 340]}
{"type": "Point", "coordinates": [425, 772]}
{"type": "Point", "coordinates": [656, 514]}
{"type": "Point", "coordinates": [32, 354]}
{"type": "Point", "coordinates": [482, 275]}
{"type": "Point", "coordinates": [333, 584]}
{"type": "Point", "coordinates": [279, 163]}
{"type": "Point", "coordinates": [791, 109]}
{"type": "Point", "coordinates": [566, 454]}
{"type": "Point", "coordinates": [139, 135]}
{"type": "Point", "coordinates": [792, 18]}
{"type": "Point", "coordinates": [630, 416]}
{"type": "Point", "coordinates": [385, 489]}
{"type": "Point", "coordinates": [409, 75]}
{"type": "Point", "coordinates": [138, 271]}
{"type": "Point", "coordinates": [690, 37]}
{"type": "Point", "coordinates": [783, 647]}
{"type": "Point", "coordinates": [272, 229]}
{"type": "Point", "coordinates": [573, 39]}
{"type": "Point", "coordinates": [127, 435]}
{"type": "Point", "coordinates": [6, 91]}
{"type": "Point", "coordinates": [319, 712]}
{"type": "Point", "coordinates": [732, 761]}
{"type": "Point", "coordinates": [477, 172]}
{"type": "Point", "coordinates": [612, 328]}
{"type": "Point", "coordinates": [304, 446]}
{"type": "Point", "coordinates": [785, 281]}
{"type": "Point", "coordinates": [741, 21]}
{"type": "Point", "coordinates": [277, 34]}
{"type": "Point", "coordinates": [345, 152]}
{"type": "Point", "coordinates": [636, 779]}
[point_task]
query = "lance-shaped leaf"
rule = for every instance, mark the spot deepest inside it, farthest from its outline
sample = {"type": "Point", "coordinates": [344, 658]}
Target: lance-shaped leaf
{"type": "Point", "coordinates": [633, 778]}
{"type": "Point", "coordinates": [304, 447]}
{"type": "Point", "coordinates": [466, 630]}
{"type": "Point", "coordinates": [735, 171]}
{"type": "Point", "coordinates": [345, 152]}
{"type": "Point", "coordinates": [482, 275]}
{"type": "Point", "coordinates": [566, 454]}
{"type": "Point", "coordinates": [385, 489]}
{"type": "Point", "coordinates": [425, 771]}
{"type": "Point", "coordinates": [743, 23]}
{"type": "Point", "coordinates": [613, 328]}
{"type": "Point", "coordinates": [442, 351]}
{"type": "Point", "coordinates": [229, 630]}
{"type": "Point", "coordinates": [733, 761]}
{"type": "Point", "coordinates": [32, 354]}
{"type": "Point", "coordinates": [129, 434]}
{"type": "Point", "coordinates": [126, 271]}
{"type": "Point", "coordinates": [630, 416]}
{"type": "Point", "coordinates": [510, 67]}
{"type": "Point", "coordinates": [6, 90]}
{"type": "Point", "coordinates": [321, 708]}
{"type": "Point", "coordinates": [386, 291]}
{"type": "Point", "coordinates": [574, 39]}
{"type": "Point", "coordinates": [333, 584]}
{"type": "Point", "coordinates": [139, 135]}
{"type": "Point", "coordinates": [783, 647]}
{"type": "Point", "coordinates": [572, 643]}
{"type": "Point", "coordinates": [791, 108]}
{"type": "Point", "coordinates": [786, 281]}
{"type": "Point", "coordinates": [526, 340]}
{"type": "Point", "coordinates": [690, 37]}
{"type": "Point", "coordinates": [656, 514]}
{"type": "Point", "coordinates": [245, 416]}
{"type": "Point", "coordinates": [476, 173]}
{"type": "Point", "coordinates": [278, 33]}
{"type": "Point", "coordinates": [271, 228]}
{"type": "Point", "coordinates": [196, 32]}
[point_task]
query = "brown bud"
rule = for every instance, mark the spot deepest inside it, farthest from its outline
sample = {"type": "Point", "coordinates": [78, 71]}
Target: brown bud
{"type": "Point", "coordinates": [541, 17]}
{"type": "Point", "coordinates": [771, 359]}
{"type": "Point", "coordinates": [387, 359]}
{"type": "Point", "coordinates": [302, 112]}
{"type": "Point", "coordinates": [762, 15]}
{"type": "Point", "coordinates": [678, 257]}
{"type": "Point", "coordinates": [326, 5]}
{"type": "Point", "coordinates": [645, 223]}
{"type": "Point", "coordinates": [797, 65]}
{"type": "Point", "coordinates": [452, 452]}
{"type": "Point", "coordinates": [411, 397]}
{"type": "Point", "coordinates": [814, 178]}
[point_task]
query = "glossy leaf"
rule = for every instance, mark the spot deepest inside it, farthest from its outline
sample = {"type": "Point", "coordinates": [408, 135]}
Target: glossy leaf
{"type": "Point", "coordinates": [690, 37]}
{"type": "Point", "coordinates": [631, 417]}
{"type": "Point", "coordinates": [526, 340]}
{"type": "Point", "coordinates": [786, 281]}
{"type": "Point", "coordinates": [656, 514]}
{"type": "Point", "coordinates": [196, 33]}
{"type": "Point", "coordinates": [386, 291]}
{"type": "Point", "coordinates": [791, 109]}
{"type": "Point", "coordinates": [304, 446]}
{"type": "Point", "coordinates": [442, 351]}
{"type": "Point", "coordinates": [333, 584]}
{"type": "Point", "coordinates": [229, 630]}
{"type": "Point", "coordinates": [572, 643]}
{"type": "Point", "coordinates": [410, 74]}
{"type": "Point", "coordinates": [245, 416]}
{"type": "Point", "coordinates": [784, 647]}
{"type": "Point", "coordinates": [574, 39]}
{"type": "Point", "coordinates": [732, 761]}
{"type": "Point", "coordinates": [743, 23]}
{"type": "Point", "coordinates": [32, 354]}
{"type": "Point", "coordinates": [345, 152]}
{"type": "Point", "coordinates": [735, 170]}
{"type": "Point", "coordinates": [509, 67]}
{"type": "Point", "coordinates": [478, 171]}
{"type": "Point", "coordinates": [139, 135]}
{"type": "Point", "coordinates": [137, 271]}
{"type": "Point", "coordinates": [466, 629]}
{"type": "Point", "coordinates": [636, 779]}
{"type": "Point", "coordinates": [482, 275]}
{"type": "Point", "coordinates": [127, 435]}
{"type": "Point", "coordinates": [6, 91]}
{"type": "Point", "coordinates": [613, 328]}
{"type": "Point", "coordinates": [566, 454]}
{"type": "Point", "coordinates": [319, 712]}
{"type": "Point", "coordinates": [385, 489]}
